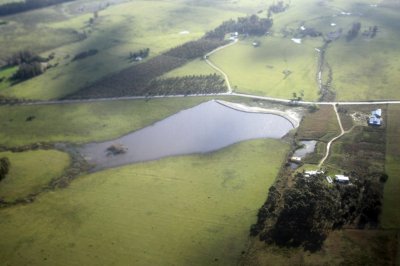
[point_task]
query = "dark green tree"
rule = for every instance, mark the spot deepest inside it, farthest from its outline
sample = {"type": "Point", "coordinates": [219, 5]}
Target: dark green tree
{"type": "Point", "coordinates": [4, 167]}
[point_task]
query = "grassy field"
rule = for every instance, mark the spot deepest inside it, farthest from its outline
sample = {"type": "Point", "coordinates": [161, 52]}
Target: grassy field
{"type": "Point", "coordinates": [31, 171]}
{"type": "Point", "coordinates": [118, 30]}
{"type": "Point", "coordinates": [195, 67]}
{"type": "Point", "coordinates": [391, 197]}
{"type": "Point", "coordinates": [84, 122]}
{"type": "Point", "coordinates": [5, 74]}
{"type": "Point", "coordinates": [261, 70]}
{"type": "Point", "coordinates": [367, 68]}
{"type": "Point", "coordinates": [193, 210]}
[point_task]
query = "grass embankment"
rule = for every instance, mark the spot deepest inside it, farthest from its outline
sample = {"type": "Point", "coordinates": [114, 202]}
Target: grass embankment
{"type": "Point", "coordinates": [5, 75]}
{"type": "Point", "coordinates": [118, 30]}
{"type": "Point", "coordinates": [30, 172]}
{"type": "Point", "coordinates": [192, 210]}
{"type": "Point", "coordinates": [391, 197]}
{"type": "Point", "coordinates": [84, 122]}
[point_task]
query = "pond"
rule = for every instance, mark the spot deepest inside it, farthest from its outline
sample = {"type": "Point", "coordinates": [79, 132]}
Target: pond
{"type": "Point", "coordinates": [204, 128]}
{"type": "Point", "coordinates": [308, 146]}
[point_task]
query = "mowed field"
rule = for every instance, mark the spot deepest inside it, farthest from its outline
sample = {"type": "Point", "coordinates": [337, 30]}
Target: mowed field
{"type": "Point", "coordinates": [193, 210]}
{"type": "Point", "coordinates": [118, 30]}
{"type": "Point", "coordinates": [391, 197]}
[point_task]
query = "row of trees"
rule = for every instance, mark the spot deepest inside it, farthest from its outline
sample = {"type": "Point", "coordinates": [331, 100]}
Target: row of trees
{"type": "Point", "coordinates": [4, 167]}
{"type": "Point", "coordinates": [135, 80]}
{"type": "Point", "coordinates": [307, 211]}
{"type": "Point", "coordinates": [252, 25]}
{"type": "Point", "coordinates": [195, 84]}
{"type": "Point", "coordinates": [18, 7]}
{"type": "Point", "coordinates": [85, 54]}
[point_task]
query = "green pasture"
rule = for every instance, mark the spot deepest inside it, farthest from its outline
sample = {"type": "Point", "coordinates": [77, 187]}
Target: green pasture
{"type": "Point", "coordinates": [261, 70]}
{"type": "Point", "coordinates": [192, 210]}
{"type": "Point", "coordinates": [84, 122]}
{"type": "Point", "coordinates": [391, 197]}
{"type": "Point", "coordinates": [118, 30]}
{"type": "Point", "coordinates": [5, 74]}
{"type": "Point", "coordinates": [31, 171]}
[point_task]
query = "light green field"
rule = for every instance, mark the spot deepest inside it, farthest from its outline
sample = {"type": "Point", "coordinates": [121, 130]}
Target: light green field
{"type": "Point", "coordinates": [118, 30]}
{"type": "Point", "coordinates": [260, 70]}
{"type": "Point", "coordinates": [84, 122]}
{"type": "Point", "coordinates": [195, 67]}
{"type": "Point", "coordinates": [31, 171]}
{"type": "Point", "coordinates": [193, 210]}
{"type": "Point", "coordinates": [5, 74]}
{"type": "Point", "coordinates": [391, 197]}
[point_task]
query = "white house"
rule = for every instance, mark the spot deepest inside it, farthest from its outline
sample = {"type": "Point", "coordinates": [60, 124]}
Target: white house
{"type": "Point", "coordinates": [342, 178]}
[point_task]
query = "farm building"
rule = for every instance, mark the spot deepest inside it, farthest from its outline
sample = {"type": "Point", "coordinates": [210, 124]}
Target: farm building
{"type": "Point", "coordinates": [313, 173]}
{"type": "Point", "coordinates": [376, 118]}
{"type": "Point", "coordinates": [342, 179]}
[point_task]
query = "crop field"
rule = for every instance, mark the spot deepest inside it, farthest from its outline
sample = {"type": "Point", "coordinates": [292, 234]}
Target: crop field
{"type": "Point", "coordinates": [84, 122]}
{"type": "Point", "coordinates": [391, 196]}
{"type": "Point", "coordinates": [30, 172]}
{"type": "Point", "coordinates": [193, 210]}
{"type": "Point", "coordinates": [117, 31]}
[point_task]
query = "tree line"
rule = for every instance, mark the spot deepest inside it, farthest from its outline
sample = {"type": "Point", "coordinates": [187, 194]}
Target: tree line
{"type": "Point", "coordinates": [251, 25]}
{"type": "Point", "coordinates": [135, 80]}
{"type": "Point", "coordinates": [18, 7]}
{"type": "Point", "coordinates": [193, 84]}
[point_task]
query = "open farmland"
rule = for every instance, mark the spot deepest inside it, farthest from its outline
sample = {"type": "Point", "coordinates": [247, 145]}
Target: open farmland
{"type": "Point", "coordinates": [193, 210]}
{"type": "Point", "coordinates": [390, 214]}
{"type": "Point", "coordinates": [117, 31]}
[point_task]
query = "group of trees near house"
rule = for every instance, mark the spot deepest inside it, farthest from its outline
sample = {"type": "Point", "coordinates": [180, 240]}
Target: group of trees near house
{"type": "Point", "coordinates": [18, 7]}
{"type": "Point", "coordinates": [305, 213]}
{"type": "Point", "coordinates": [251, 25]}
{"type": "Point", "coordinates": [143, 53]}
{"type": "Point", "coordinates": [135, 80]}
{"type": "Point", "coordinates": [4, 167]}
{"type": "Point", "coordinates": [196, 84]}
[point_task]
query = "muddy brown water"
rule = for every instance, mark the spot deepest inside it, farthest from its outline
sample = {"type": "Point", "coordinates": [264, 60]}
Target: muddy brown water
{"type": "Point", "coordinates": [204, 128]}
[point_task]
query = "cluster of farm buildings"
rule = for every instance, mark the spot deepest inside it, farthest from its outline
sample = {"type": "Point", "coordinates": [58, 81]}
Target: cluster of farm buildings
{"type": "Point", "coordinates": [337, 178]}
